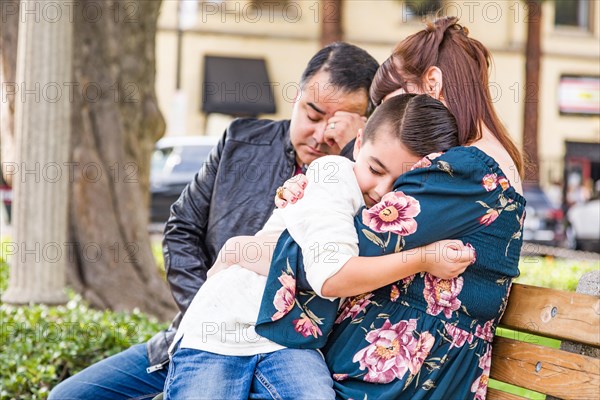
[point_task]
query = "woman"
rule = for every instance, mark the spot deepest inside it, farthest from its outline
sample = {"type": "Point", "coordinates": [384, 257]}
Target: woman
{"type": "Point", "coordinates": [423, 337]}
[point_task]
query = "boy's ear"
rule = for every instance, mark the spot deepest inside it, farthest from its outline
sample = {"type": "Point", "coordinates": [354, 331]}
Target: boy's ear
{"type": "Point", "coordinates": [357, 144]}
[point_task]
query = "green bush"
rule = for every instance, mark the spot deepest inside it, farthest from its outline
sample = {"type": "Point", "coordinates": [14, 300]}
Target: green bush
{"type": "Point", "coordinates": [41, 345]}
{"type": "Point", "coordinates": [555, 273]}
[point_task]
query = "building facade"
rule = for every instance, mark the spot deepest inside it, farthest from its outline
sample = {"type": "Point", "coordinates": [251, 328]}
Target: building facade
{"type": "Point", "coordinates": [285, 33]}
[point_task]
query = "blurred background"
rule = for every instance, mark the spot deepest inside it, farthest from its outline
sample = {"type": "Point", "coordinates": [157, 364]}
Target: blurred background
{"type": "Point", "coordinates": [109, 108]}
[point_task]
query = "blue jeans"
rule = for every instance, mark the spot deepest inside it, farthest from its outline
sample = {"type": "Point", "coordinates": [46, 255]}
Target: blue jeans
{"type": "Point", "coordinates": [283, 374]}
{"type": "Point", "coordinates": [122, 376]}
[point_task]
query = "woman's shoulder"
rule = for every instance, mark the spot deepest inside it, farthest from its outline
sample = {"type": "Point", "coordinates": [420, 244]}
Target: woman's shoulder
{"type": "Point", "coordinates": [460, 169]}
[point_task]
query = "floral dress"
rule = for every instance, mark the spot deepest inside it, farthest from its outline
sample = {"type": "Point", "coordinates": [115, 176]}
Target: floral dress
{"type": "Point", "coordinates": [421, 337]}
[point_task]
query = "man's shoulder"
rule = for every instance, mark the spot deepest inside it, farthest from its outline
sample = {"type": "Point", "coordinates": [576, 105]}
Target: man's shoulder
{"type": "Point", "coordinates": [257, 131]}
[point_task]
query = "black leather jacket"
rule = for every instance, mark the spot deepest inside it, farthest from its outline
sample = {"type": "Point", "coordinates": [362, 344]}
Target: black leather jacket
{"type": "Point", "coordinates": [231, 195]}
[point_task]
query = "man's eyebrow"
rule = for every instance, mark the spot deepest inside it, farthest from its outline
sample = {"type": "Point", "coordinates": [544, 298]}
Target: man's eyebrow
{"type": "Point", "coordinates": [376, 160]}
{"type": "Point", "coordinates": [312, 105]}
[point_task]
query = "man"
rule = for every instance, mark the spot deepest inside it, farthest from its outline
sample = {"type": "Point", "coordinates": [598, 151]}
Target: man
{"type": "Point", "coordinates": [232, 195]}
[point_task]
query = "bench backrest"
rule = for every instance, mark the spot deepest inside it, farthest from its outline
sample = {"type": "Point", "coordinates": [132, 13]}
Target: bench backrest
{"type": "Point", "coordinates": [555, 314]}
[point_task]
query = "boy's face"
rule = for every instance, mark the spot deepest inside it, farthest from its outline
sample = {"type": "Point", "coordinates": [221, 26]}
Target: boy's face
{"type": "Point", "coordinates": [379, 163]}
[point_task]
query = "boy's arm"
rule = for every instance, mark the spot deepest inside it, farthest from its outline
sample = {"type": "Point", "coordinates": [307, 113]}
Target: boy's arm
{"type": "Point", "coordinates": [444, 259]}
{"type": "Point", "coordinates": [251, 252]}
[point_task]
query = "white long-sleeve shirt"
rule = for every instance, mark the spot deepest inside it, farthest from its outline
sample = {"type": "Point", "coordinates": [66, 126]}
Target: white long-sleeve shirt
{"type": "Point", "coordinates": [223, 314]}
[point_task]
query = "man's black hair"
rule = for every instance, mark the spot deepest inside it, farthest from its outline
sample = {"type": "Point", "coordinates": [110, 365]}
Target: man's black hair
{"type": "Point", "coordinates": [350, 68]}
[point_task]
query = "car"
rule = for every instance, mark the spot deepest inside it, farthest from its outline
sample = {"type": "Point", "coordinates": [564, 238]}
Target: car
{"type": "Point", "coordinates": [544, 223]}
{"type": "Point", "coordinates": [175, 162]}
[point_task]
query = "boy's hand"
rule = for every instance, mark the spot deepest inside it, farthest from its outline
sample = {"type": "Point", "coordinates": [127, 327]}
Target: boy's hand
{"type": "Point", "coordinates": [447, 259]}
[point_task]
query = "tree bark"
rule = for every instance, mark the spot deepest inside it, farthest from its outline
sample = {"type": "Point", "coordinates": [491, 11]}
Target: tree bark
{"type": "Point", "coordinates": [331, 22]}
{"type": "Point", "coordinates": [42, 131]}
{"type": "Point", "coordinates": [115, 124]}
{"type": "Point", "coordinates": [532, 87]}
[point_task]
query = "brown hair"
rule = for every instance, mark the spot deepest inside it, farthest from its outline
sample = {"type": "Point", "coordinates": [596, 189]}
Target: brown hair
{"type": "Point", "coordinates": [421, 123]}
{"type": "Point", "coordinates": [464, 63]}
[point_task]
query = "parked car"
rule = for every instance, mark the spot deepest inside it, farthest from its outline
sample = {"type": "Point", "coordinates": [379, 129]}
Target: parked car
{"type": "Point", "coordinates": [174, 163]}
{"type": "Point", "coordinates": [544, 223]}
{"type": "Point", "coordinates": [584, 220]}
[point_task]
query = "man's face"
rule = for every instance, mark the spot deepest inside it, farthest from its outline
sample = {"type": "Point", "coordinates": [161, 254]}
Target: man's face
{"type": "Point", "coordinates": [318, 102]}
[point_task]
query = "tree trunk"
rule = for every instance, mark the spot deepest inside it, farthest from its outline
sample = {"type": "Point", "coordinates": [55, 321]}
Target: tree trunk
{"type": "Point", "coordinates": [532, 87]}
{"type": "Point", "coordinates": [115, 124]}
{"type": "Point", "coordinates": [331, 22]}
{"type": "Point", "coordinates": [42, 131]}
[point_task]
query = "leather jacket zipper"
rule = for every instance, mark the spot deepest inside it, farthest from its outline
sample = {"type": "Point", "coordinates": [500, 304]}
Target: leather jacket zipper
{"type": "Point", "coordinates": [157, 367]}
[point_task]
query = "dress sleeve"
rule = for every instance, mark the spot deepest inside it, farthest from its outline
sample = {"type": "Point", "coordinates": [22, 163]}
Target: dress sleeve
{"type": "Point", "coordinates": [322, 222]}
{"type": "Point", "coordinates": [448, 197]}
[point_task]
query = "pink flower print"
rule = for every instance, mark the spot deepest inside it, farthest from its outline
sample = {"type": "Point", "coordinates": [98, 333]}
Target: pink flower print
{"type": "Point", "coordinates": [421, 352]}
{"type": "Point", "coordinates": [353, 306]}
{"type": "Point", "coordinates": [306, 327]}
{"type": "Point", "coordinates": [486, 332]}
{"type": "Point", "coordinates": [503, 182]}
{"type": "Point", "coordinates": [425, 162]}
{"type": "Point", "coordinates": [394, 293]}
{"type": "Point", "coordinates": [479, 386]}
{"type": "Point", "coordinates": [390, 350]}
{"type": "Point", "coordinates": [422, 163]}
{"type": "Point", "coordinates": [285, 297]}
{"type": "Point", "coordinates": [408, 280]}
{"type": "Point", "coordinates": [489, 217]}
{"type": "Point", "coordinates": [459, 336]}
{"type": "Point", "coordinates": [340, 377]}
{"type": "Point", "coordinates": [442, 295]}
{"type": "Point", "coordinates": [394, 213]}
{"type": "Point", "coordinates": [489, 182]}
{"type": "Point", "coordinates": [474, 260]}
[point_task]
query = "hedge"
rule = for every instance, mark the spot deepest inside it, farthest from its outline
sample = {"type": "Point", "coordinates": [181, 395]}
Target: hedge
{"type": "Point", "coordinates": [41, 345]}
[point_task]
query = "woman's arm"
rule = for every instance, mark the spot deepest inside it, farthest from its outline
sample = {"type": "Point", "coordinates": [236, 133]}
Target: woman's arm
{"type": "Point", "coordinates": [445, 259]}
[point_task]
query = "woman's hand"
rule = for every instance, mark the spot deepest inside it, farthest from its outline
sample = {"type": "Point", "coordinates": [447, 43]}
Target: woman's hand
{"type": "Point", "coordinates": [447, 259]}
{"type": "Point", "coordinates": [291, 191]}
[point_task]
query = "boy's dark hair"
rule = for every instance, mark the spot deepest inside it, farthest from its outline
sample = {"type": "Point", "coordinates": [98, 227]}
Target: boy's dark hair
{"type": "Point", "coordinates": [423, 124]}
{"type": "Point", "coordinates": [350, 68]}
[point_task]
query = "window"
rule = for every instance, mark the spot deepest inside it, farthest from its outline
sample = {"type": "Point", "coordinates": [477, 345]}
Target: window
{"type": "Point", "coordinates": [573, 13]}
{"type": "Point", "coordinates": [421, 8]}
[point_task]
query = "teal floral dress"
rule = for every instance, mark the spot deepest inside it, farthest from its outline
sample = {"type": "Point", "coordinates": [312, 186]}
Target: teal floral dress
{"type": "Point", "coordinates": [421, 337]}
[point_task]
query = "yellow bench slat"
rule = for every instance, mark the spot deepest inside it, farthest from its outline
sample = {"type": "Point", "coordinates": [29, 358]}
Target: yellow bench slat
{"type": "Point", "coordinates": [554, 313]}
{"type": "Point", "coordinates": [545, 370]}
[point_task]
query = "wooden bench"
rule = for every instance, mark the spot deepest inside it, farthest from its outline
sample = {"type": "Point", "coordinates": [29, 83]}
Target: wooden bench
{"type": "Point", "coordinates": [553, 314]}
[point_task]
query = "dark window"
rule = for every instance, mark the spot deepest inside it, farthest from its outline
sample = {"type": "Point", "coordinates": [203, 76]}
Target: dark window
{"type": "Point", "coordinates": [237, 86]}
{"type": "Point", "coordinates": [572, 13]}
{"type": "Point", "coordinates": [423, 8]}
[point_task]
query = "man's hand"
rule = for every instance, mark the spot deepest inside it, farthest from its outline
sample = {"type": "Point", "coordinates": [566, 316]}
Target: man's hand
{"type": "Point", "coordinates": [342, 128]}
